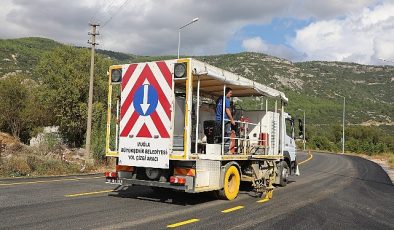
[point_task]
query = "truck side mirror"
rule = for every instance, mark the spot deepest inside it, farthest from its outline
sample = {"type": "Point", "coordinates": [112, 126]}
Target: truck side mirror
{"type": "Point", "coordinates": [301, 127]}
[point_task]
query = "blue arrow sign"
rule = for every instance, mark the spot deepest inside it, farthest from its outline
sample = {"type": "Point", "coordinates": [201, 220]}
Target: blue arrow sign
{"type": "Point", "coordinates": [145, 100]}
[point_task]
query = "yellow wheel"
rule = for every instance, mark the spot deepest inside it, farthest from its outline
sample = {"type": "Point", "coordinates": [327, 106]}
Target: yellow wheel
{"type": "Point", "coordinates": [232, 180]}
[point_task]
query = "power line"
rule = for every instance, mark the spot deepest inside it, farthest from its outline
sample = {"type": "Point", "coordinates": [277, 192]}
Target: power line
{"type": "Point", "coordinates": [115, 13]}
{"type": "Point", "coordinates": [105, 10]}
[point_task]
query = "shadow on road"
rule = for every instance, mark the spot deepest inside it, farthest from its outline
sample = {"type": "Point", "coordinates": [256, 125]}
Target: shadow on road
{"type": "Point", "coordinates": [172, 197]}
{"type": "Point", "coordinates": [164, 195]}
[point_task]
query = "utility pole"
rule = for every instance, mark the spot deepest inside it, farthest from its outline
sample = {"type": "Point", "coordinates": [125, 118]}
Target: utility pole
{"type": "Point", "coordinates": [304, 131]}
{"type": "Point", "coordinates": [343, 127]}
{"type": "Point", "coordinates": [90, 101]}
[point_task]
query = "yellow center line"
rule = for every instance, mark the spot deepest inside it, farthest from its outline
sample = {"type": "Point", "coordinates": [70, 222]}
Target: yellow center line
{"type": "Point", "coordinates": [263, 200]}
{"type": "Point", "coordinates": [89, 193]}
{"type": "Point", "coordinates": [182, 223]}
{"type": "Point", "coordinates": [48, 181]}
{"type": "Point", "coordinates": [232, 209]}
{"type": "Point", "coordinates": [309, 158]}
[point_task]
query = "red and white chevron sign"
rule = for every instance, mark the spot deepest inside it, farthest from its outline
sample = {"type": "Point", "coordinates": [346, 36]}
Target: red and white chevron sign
{"type": "Point", "coordinates": [145, 114]}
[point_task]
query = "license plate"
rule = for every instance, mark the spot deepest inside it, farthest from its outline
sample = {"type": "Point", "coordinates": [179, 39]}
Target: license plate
{"type": "Point", "coordinates": [113, 181]}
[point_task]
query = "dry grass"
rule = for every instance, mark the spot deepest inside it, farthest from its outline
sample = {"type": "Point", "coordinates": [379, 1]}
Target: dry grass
{"type": "Point", "coordinates": [20, 160]}
{"type": "Point", "coordinates": [7, 139]}
{"type": "Point", "coordinates": [390, 159]}
{"type": "Point", "coordinates": [385, 157]}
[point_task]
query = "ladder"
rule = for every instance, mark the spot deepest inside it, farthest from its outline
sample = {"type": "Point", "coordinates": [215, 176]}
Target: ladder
{"type": "Point", "coordinates": [274, 129]}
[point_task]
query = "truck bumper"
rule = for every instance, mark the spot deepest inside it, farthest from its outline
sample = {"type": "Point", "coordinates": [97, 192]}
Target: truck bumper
{"type": "Point", "coordinates": [129, 182]}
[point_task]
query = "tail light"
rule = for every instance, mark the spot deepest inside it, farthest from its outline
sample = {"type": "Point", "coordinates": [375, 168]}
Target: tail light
{"type": "Point", "coordinates": [177, 180]}
{"type": "Point", "coordinates": [112, 178]}
{"type": "Point", "coordinates": [111, 174]}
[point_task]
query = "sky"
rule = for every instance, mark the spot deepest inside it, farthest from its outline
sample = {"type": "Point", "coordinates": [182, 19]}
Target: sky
{"type": "Point", "coordinates": [360, 31]}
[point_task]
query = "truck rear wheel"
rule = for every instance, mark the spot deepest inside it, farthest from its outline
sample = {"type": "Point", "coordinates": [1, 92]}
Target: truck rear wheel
{"type": "Point", "coordinates": [232, 181]}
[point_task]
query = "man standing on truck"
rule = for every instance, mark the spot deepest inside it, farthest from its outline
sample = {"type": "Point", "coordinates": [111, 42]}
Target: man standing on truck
{"type": "Point", "coordinates": [219, 107]}
{"type": "Point", "coordinates": [227, 116]}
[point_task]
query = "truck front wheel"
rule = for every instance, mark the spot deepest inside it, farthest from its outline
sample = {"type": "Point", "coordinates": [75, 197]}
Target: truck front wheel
{"type": "Point", "coordinates": [232, 181]}
{"type": "Point", "coordinates": [284, 173]}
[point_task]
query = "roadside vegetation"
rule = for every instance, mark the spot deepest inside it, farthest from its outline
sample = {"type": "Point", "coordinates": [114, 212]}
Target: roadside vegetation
{"type": "Point", "coordinates": [367, 140]}
{"type": "Point", "coordinates": [50, 157]}
{"type": "Point", "coordinates": [53, 93]}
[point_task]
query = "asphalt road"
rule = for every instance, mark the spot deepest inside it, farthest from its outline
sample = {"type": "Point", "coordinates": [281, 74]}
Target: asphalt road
{"type": "Point", "coordinates": [332, 192]}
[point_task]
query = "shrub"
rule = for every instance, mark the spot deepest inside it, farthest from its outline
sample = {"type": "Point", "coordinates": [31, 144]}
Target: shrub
{"type": "Point", "coordinates": [15, 166]}
{"type": "Point", "coordinates": [321, 143]}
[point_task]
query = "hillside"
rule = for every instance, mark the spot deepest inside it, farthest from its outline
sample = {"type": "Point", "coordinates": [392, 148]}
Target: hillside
{"type": "Point", "coordinates": [316, 87]}
{"type": "Point", "coordinates": [22, 54]}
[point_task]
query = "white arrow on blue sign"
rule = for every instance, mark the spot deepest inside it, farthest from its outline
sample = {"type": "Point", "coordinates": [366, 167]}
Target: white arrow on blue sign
{"type": "Point", "coordinates": [145, 100]}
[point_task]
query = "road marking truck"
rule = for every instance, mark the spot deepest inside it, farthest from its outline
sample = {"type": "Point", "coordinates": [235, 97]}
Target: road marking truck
{"type": "Point", "coordinates": [161, 128]}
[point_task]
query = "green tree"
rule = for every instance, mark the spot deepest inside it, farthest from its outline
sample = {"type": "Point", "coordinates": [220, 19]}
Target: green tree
{"type": "Point", "coordinates": [23, 106]}
{"type": "Point", "coordinates": [13, 100]}
{"type": "Point", "coordinates": [65, 73]}
{"type": "Point", "coordinates": [38, 112]}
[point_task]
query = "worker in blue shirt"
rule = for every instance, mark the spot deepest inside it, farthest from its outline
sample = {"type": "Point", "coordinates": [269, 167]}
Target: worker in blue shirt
{"type": "Point", "coordinates": [227, 111]}
{"type": "Point", "coordinates": [228, 118]}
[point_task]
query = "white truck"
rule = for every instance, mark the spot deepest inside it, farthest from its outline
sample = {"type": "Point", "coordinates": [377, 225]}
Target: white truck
{"type": "Point", "coordinates": [164, 133]}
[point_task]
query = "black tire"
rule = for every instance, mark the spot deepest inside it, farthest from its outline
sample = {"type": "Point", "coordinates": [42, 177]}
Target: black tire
{"type": "Point", "coordinates": [283, 173]}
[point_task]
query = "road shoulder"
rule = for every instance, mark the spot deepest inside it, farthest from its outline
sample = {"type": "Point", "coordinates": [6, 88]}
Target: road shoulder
{"type": "Point", "coordinates": [379, 161]}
